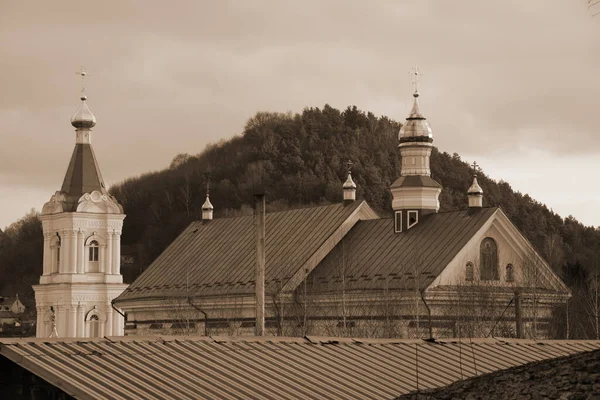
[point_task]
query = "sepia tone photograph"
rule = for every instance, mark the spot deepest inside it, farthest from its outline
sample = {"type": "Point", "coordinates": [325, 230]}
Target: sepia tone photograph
{"type": "Point", "coordinates": [275, 199]}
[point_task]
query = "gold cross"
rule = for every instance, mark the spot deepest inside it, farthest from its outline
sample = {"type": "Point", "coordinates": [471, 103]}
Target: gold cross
{"type": "Point", "coordinates": [349, 163]}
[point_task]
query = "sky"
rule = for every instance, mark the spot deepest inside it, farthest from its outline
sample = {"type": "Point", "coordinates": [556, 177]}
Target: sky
{"type": "Point", "coordinates": [513, 85]}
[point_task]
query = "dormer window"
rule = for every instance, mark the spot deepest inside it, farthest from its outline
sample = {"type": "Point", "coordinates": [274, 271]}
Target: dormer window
{"type": "Point", "coordinates": [398, 221]}
{"type": "Point", "coordinates": [510, 273]}
{"type": "Point", "coordinates": [413, 218]}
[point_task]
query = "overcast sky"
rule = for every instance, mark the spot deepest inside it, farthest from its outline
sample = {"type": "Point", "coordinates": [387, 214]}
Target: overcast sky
{"type": "Point", "coordinates": [514, 85]}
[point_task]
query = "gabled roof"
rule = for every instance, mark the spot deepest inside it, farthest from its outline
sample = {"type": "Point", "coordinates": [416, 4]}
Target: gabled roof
{"type": "Point", "coordinates": [268, 367]}
{"type": "Point", "coordinates": [218, 256]}
{"type": "Point", "coordinates": [83, 176]}
{"type": "Point", "coordinates": [371, 252]}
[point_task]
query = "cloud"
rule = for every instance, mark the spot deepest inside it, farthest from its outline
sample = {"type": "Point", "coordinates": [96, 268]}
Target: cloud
{"type": "Point", "coordinates": [498, 76]}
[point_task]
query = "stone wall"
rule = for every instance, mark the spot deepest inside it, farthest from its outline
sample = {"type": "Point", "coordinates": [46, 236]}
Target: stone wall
{"type": "Point", "coordinates": [571, 377]}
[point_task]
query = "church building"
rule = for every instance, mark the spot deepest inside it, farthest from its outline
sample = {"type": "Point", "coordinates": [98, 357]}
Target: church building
{"type": "Point", "coordinates": [82, 226]}
{"type": "Point", "coordinates": [336, 270]}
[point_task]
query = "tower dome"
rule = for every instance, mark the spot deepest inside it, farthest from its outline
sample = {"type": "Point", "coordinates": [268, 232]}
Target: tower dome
{"type": "Point", "coordinates": [83, 118]}
{"type": "Point", "coordinates": [416, 128]}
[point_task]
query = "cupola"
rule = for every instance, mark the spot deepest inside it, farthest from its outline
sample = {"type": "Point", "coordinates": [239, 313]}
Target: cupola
{"type": "Point", "coordinates": [349, 186]}
{"type": "Point", "coordinates": [475, 194]}
{"type": "Point", "coordinates": [207, 207]}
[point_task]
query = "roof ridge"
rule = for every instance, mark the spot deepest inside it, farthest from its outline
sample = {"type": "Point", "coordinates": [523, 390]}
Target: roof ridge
{"type": "Point", "coordinates": [357, 202]}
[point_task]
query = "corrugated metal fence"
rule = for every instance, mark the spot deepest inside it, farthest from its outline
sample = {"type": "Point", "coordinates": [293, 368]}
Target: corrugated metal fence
{"type": "Point", "coordinates": [268, 367]}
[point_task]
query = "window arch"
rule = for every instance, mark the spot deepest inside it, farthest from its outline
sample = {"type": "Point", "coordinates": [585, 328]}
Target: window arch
{"type": "Point", "coordinates": [510, 273]}
{"type": "Point", "coordinates": [55, 246]}
{"type": "Point", "coordinates": [95, 256]}
{"type": "Point", "coordinates": [488, 258]}
{"type": "Point", "coordinates": [92, 320]}
{"type": "Point", "coordinates": [469, 272]}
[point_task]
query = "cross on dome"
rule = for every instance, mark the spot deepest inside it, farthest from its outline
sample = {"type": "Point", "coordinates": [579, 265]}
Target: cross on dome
{"type": "Point", "coordinates": [416, 78]}
{"type": "Point", "coordinates": [83, 73]}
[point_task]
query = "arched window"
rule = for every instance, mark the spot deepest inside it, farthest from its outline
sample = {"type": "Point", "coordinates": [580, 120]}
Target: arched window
{"type": "Point", "coordinates": [55, 246]}
{"type": "Point", "coordinates": [92, 320]}
{"type": "Point", "coordinates": [93, 251]}
{"type": "Point", "coordinates": [488, 258]}
{"type": "Point", "coordinates": [510, 273]}
{"type": "Point", "coordinates": [94, 326]}
{"type": "Point", "coordinates": [94, 258]}
{"type": "Point", "coordinates": [469, 272]}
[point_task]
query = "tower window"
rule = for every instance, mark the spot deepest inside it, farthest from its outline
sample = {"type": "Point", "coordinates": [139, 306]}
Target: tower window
{"type": "Point", "coordinates": [413, 218]}
{"type": "Point", "coordinates": [510, 273]}
{"type": "Point", "coordinates": [55, 246]}
{"type": "Point", "coordinates": [398, 222]}
{"type": "Point", "coordinates": [469, 272]}
{"type": "Point", "coordinates": [93, 250]}
{"type": "Point", "coordinates": [488, 255]}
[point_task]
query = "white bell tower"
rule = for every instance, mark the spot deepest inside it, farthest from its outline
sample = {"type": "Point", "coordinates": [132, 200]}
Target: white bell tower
{"type": "Point", "coordinates": [82, 226]}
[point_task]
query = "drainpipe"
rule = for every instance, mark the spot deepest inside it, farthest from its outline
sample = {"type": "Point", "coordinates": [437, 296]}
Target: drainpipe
{"type": "Point", "coordinates": [259, 221]}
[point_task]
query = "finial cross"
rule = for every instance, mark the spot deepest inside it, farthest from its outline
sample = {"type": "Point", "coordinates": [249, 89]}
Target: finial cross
{"type": "Point", "coordinates": [416, 78]}
{"type": "Point", "coordinates": [349, 164]}
{"type": "Point", "coordinates": [475, 166]}
{"type": "Point", "coordinates": [82, 72]}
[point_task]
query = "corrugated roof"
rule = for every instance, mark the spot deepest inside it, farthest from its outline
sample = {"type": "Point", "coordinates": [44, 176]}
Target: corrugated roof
{"type": "Point", "coordinates": [268, 367]}
{"type": "Point", "coordinates": [83, 176]}
{"type": "Point", "coordinates": [219, 256]}
{"type": "Point", "coordinates": [371, 251]}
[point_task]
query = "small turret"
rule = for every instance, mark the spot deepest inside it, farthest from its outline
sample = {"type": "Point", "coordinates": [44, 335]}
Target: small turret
{"type": "Point", "coordinates": [349, 186]}
{"type": "Point", "coordinates": [475, 194]}
{"type": "Point", "coordinates": [207, 207]}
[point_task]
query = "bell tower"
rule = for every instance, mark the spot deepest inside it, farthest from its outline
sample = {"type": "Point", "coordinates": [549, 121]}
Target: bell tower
{"type": "Point", "coordinates": [415, 193]}
{"type": "Point", "coordinates": [82, 226]}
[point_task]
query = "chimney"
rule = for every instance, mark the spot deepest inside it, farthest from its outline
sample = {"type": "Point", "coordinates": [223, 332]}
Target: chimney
{"type": "Point", "coordinates": [259, 222]}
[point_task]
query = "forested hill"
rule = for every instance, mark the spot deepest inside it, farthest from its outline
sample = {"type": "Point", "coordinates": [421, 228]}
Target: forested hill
{"type": "Point", "coordinates": [298, 160]}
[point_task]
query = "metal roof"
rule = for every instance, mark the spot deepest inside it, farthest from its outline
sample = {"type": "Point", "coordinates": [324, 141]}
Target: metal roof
{"type": "Point", "coordinates": [415, 181]}
{"type": "Point", "coordinates": [371, 251]}
{"type": "Point", "coordinates": [268, 367]}
{"type": "Point", "coordinates": [83, 176]}
{"type": "Point", "coordinates": [218, 256]}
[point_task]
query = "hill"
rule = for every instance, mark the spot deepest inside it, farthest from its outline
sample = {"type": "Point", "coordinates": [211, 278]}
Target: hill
{"type": "Point", "coordinates": [299, 160]}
